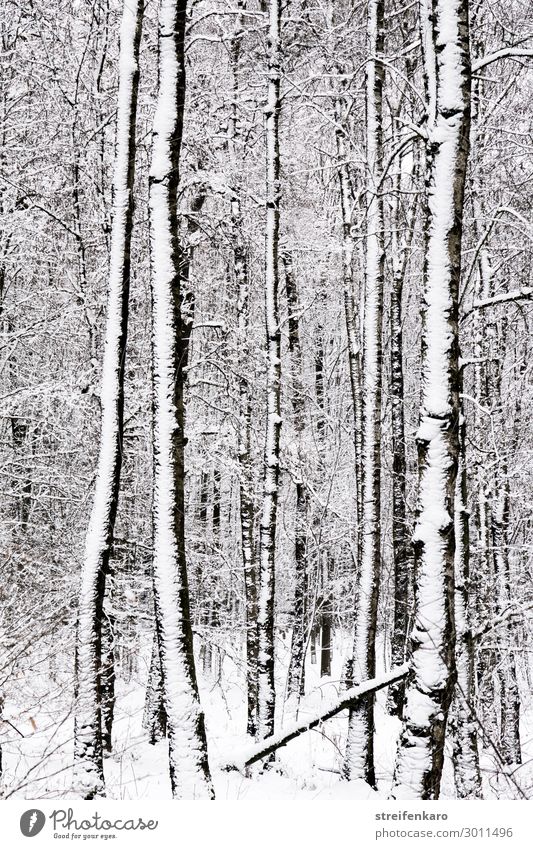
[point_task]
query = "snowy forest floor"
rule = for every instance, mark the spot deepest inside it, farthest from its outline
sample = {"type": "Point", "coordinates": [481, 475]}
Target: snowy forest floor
{"type": "Point", "coordinates": [39, 764]}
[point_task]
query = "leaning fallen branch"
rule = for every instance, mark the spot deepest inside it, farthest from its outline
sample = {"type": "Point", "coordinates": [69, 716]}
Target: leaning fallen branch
{"type": "Point", "coordinates": [349, 698]}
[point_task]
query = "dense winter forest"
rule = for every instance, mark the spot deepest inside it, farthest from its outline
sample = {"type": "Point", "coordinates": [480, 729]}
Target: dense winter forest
{"type": "Point", "coordinates": [266, 440]}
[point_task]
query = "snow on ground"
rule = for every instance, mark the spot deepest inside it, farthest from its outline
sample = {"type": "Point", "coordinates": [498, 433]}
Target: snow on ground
{"type": "Point", "coordinates": [38, 764]}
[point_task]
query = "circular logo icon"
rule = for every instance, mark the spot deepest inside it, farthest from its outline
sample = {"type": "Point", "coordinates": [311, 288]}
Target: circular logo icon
{"type": "Point", "coordinates": [32, 822]}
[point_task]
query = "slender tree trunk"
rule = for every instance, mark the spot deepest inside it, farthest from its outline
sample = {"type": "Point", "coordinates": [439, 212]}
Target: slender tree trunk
{"type": "Point", "coordinates": [324, 605]}
{"type": "Point", "coordinates": [107, 679]}
{"type": "Point", "coordinates": [188, 765]}
{"type": "Point", "coordinates": [463, 718]}
{"type": "Point", "coordinates": [509, 738]}
{"type": "Point", "coordinates": [485, 395]}
{"type": "Point", "coordinates": [246, 486]}
{"type": "Point", "coordinates": [401, 542]}
{"type": "Point", "coordinates": [267, 534]}
{"type": "Point", "coordinates": [351, 315]}
{"type": "Point", "coordinates": [89, 774]}
{"type": "Point", "coordinates": [244, 446]}
{"type": "Point", "coordinates": [326, 636]}
{"type": "Point", "coordinates": [296, 674]}
{"type": "Point", "coordinates": [19, 432]}
{"type": "Point", "coordinates": [431, 678]}
{"type": "Point", "coordinates": [155, 718]}
{"type": "Point", "coordinates": [359, 760]}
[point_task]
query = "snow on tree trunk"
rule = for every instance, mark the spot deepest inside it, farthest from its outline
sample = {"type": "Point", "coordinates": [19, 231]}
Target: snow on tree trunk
{"type": "Point", "coordinates": [107, 678]}
{"type": "Point", "coordinates": [326, 634]}
{"type": "Point", "coordinates": [429, 686]}
{"type": "Point", "coordinates": [351, 314]}
{"type": "Point", "coordinates": [359, 760]}
{"type": "Point", "coordinates": [401, 548]}
{"type": "Point", "coordinates": [244, 446]}
{"type": "Point", "coordinates": [267, 532]}
{"type": "Point", "coordinates": [89, 775]}
{"type": "Point", "coordinates": [463, 718]}
{"type": "Point", "coordinates": [296, 673]}
{"type": "Point", "coordinates": [509, 737]}
{"type": "Point", "coordinates": [154, 717]}
{"type": "Point", "coordinates": [188, 764]}
{"type": "Point", "coordinates": [323, 604]}
{"type": "Point", "coordinates": [246, 478]}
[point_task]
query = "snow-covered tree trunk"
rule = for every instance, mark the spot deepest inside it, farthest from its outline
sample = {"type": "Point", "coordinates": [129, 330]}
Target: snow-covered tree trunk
{"type": "Point", "coordinates": [267, 532]}
{"type": "Point", "coordinates": [296, 673]}
{"type": "Point", "coordinates": [89, 774]}
{"type": "Point", "coordinates": [509, 737]}
{"type": "Point", "coordinates": [246, 478]}
{"type": "Point", "coordinates": [107, 678]}
{"type": "Point", "coordinates": [323, 605]}
{"type": "Point", "coordinates": [246, 482]}
{"type": "Point", "coordinates": [401, 547]}
{"type": "Point", "coordinates": [483, 573]}
{"type": "Point", "coordinates": [188, 764]}
{"type": "Point", "coordinates": [463, 717]}
{"type": "Point", "coordinates": [351, 313]}
{"type": "Point", "coordinates": [154, 717]}
{"type": "Point", "coordinates": [244, 447]}
{"type": "Point", "coordinates": [359, 760]}
{"type": "Point", "coordinates": [429, 687]}
{"type": "Point", "coordinates": [326, 631]}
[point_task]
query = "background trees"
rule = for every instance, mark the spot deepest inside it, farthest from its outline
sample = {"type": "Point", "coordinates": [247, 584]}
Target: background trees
{"type": "Point", "coordinates": [59, 78]}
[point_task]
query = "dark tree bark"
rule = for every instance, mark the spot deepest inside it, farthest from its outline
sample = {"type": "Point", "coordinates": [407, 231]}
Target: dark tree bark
{"type": "Point", "coordinates": [108, 679]}
{"type": "Point", "coordinates": [244, 443]}
{"type": "Point", "coordinates": [326, 636]}
{"type": "Point", "coordinates": [296, 673]}
{"type": "Point", "coordinates": [155, 718]}
{"type": "Point", "coordinates": [509, 737]}
{"type": "Point", "coordinates": [463, 715]}
{"type": "Point", "coordinates": [401, 537]}
{"type": "Point", "coordinates": [325, 563]}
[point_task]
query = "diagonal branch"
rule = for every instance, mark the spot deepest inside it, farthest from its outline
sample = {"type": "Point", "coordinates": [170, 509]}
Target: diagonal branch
{"type": "Point", "coordinates": [349, 698]}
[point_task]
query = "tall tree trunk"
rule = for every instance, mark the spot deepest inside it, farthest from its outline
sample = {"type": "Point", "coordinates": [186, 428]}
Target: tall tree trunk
{"type": "Point", "coordinates": [89, 773]}
{"type": "Point", "coordinates": [326, 636]}
{"type": "Point", "coordinates": [324, 603]}
{"type": "Point", "coordinates": [463, 718]}
{"type": "Point", "coordinates": [359, 760]}
{"type": "Point", "coordinates": [267, 533]}
{"type": "Point", "coordinates": [485, 395]}
{"type": "Point", "coordinates": [296, 673]}
{"type": "Point", "coordinates": [509, 738]}
{"type": "Point", "coordinates": [246, 483]}
{"type": "Point", "coordinates": [351, 316]}
{"type": "Point", "coordinates": [244, 444]}
{"type": "Point", "coordinates": [401, 542]}
{"type": "Point", "coordinates": [188, 765]}
{"type": "Point", "coordinates": [444, 36]}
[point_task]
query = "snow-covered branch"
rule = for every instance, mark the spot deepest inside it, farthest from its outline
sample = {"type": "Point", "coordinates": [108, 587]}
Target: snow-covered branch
{"type": "Point", "coordinates": [504, 53]}
{"type": "Point", "coordinates": [348, 700]}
